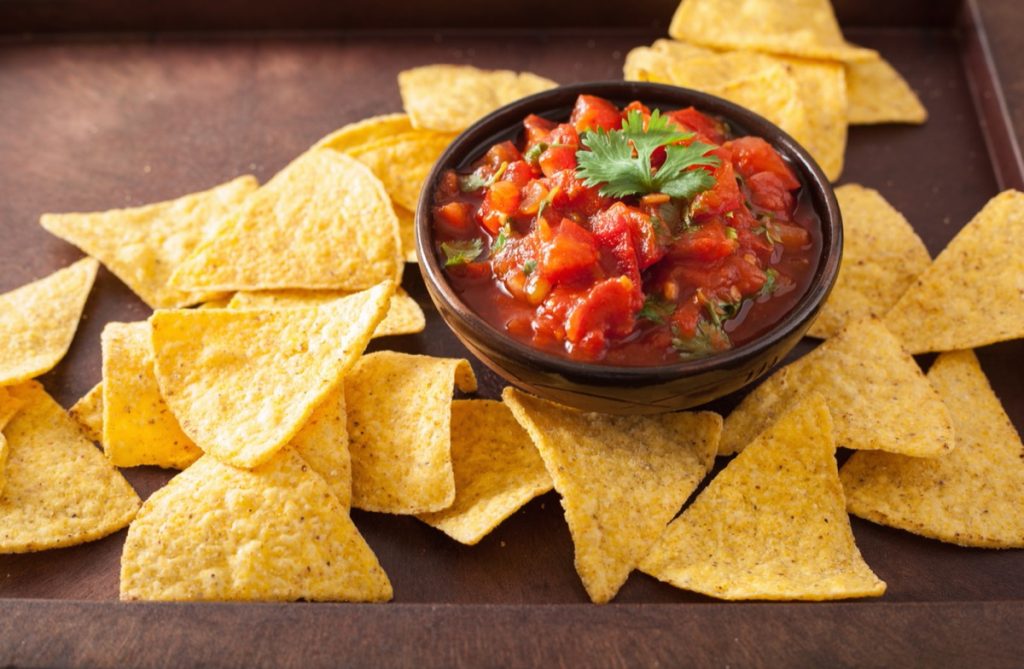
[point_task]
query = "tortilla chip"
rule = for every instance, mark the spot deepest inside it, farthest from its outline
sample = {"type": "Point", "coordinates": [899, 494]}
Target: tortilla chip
{"type": "Point", "coordinates": [878, 396]}
{"type": "Point", "coordinates": [39, 320]}
{"type": "Point", "coordinates": [142, 246]}
{"type": "Point", "coordinates": [276, 532]}
{"type": "Point", "coordinates": [973, 294]}
{"type": "Point", "coordinates": [404, 314]}
{"type": "Point", "coordinates": [402, 162]}
{"type": "Point", "coordinates": [881, 257]}
{"type": "Point", "coordinates": [60, 489]}
{"type": "Point", "coordinates": [971, 497]}
{"type": "Point", "coordinates": [876, 93]}
{"type": "Point", "coordinates": [450, 98]}
{"type": "Point", "coordinates": [217, 303]}
{"type": "Point", "coordinates": [399, 417]}
{"type": "Point", "coordinates": [364, 132]}
{"type": "Point", "coordinates": [88, 413]}
{"type": "Point", "coordinates": [621, 478]}
{"type": "Point", "coordinates": [138, 428]}
{"type": "Point", "coordinates": [772, 524]}
{"type": "Point", "coordinates": [323, 444]}
{"type": "Point", "coordinates": [822, 87]}
{"type": "Point", "coordinates": [242, 382]}
{"type": "Point", "coordinates": [497, 471]}
{"type": "Point", "coordinates": [407, 231]}
{"type": "Point", "coordinates": [323, 222]}
{"type": "Point", "coordinates": [9, 405]}
{"type": "Point", "coordinates": [803, 28]}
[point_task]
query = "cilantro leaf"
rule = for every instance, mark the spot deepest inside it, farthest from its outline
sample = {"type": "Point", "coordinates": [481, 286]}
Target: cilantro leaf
{"type": "Point", "coordinates": [475, 181]}
{"type": "Point", "coordinates": [656, 309]}
{"type": "Point", "coordinates": [503, 236]}
{"type": "Point", "coordinates": [529, 266]}
{"type": "Point", "coordinates": [768, 287]}
{"type": "Point", "coordinates": [706, 340]}
{"type": "Point", "coordinates": [462, 252]}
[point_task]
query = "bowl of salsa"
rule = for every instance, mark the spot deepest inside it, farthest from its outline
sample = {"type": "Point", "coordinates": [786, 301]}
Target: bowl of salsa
{"type": "Point", "coordinates": [627, 247]}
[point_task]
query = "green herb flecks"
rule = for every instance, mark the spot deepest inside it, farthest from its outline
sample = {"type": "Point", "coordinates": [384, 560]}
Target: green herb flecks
{"type": "Point", "coordinates": [462, 252]}
{"type": "Point", "coordinates": [475, 181]}
{"type": "Point", "coordinates": [707, 339]}
{"type": "Point", "coordinates": [528, 267]}
{"type": "Point", "coordinates": [504, 234]}
{"type": "Point", "coordinates": [532, 154]}
{"type": "Point", "coordinates": [770, 276]}
{"type": "Point", "coordinates": [656, 309]}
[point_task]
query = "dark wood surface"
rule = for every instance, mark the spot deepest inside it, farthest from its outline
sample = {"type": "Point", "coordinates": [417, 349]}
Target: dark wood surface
{"type": "Point", "coordinates": [103, 121]}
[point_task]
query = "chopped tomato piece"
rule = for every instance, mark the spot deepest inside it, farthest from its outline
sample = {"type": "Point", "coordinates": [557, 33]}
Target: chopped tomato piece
{"type": "Point", "coordinates": [607, 309]}
{"type": "Point", "coordinates": [454, 218]}
{"type": "Point", "coordinates": [708, 130]}
{"type": "Point", "coordinates": [520, 173]}
{"type": "Point", "coordinates": [556, 159]}
{"type": "Point", "coordinates": [537, 129]}
{"type": "Point", "coordinates": [503, 196]}
{"type": "Point", "coordinates": [791, 236]}
{"type": "Point", "coordinates": [724, 197]}
{"type": "Point", "coordinates": [505, 152]}
{"type": "Point", "coordinates": [768, 191]}
{"type": "Point", "coordinates": [572, 254]}
{"type": "Point", "coordinates": [591, 113]}
{"type": "Point", "coordinates": [751, 155]}
{"type": "Point", "coordinates": [710, 241]}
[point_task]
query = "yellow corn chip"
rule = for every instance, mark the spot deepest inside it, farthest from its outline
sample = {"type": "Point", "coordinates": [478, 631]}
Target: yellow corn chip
{"type": "Point", "coordinates": [142, 246]}
{"type": "Point", "coordinates": [364, 132]}
{"type": "Point", "coordinates": [404, 314]}
{"type": "Point", "coordinates": [324, 221]}
{"type": "Point", "coordinates": [39, 320]}
{"type": "Point", "coordinates": [804, 28]}
{"type": "Point", "coordinates": [878, 396]}
{"type": "Point", "coordinates": [276, 532]}
{"type": "Point", "coordinates": [60, 489]}
{"type": "Point", "coordinates": [973, 294]}
{"type": "Point", "coordinates": [876, 93]}
{"type": "Point", "coordinates": [88, 412]}
{"type": "Point", "coordinates": [399, 417]}
{"type": "Point", "coordinates": [881, 257]}
{"type": "Point", "coordinates": [217, 303]}
{"type": "Point", "coordinates": [621, 478]}
{"type": "Point", "coordinates": [9, 405]}
{"type": "Point", "coordinates": [323, 444]}
{"type": "Point", "coordinates": [822, 87]}
{"type": "Point", "coordinates": [970, 497]}
{"type": "Point", "coordinates": [407, 231]}
{"type": "Point", "coordinates": [772, 524]}
{"type": "Point", "coordinates": [138, 428]}
{"type": "Point", "coordinates": [497, 471]}
{"type": "Point", "coordinates": [402, 162]}
{"type": "Point", "coordinates": [450, 98]}
{"type": "Point", "coordinates": [242, 382]}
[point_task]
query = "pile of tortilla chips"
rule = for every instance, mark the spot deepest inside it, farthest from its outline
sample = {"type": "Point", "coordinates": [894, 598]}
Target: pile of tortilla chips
{"type": "Point", "coordinates": [786, 61]}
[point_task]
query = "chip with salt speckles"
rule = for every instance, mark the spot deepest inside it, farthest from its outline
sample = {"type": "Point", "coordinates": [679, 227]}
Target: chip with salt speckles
{"type": "Point", "coordinates": [450, 98]}
{"type": "Point", "coordinates": [621, 478]}
{"type": "Point", "coordinates": [142, 246]}
{"type": "Point", "coordinates": [243, 382]}
{"type": "Point", "coordinates": [878, 396]}
{"type": "Point", "coordinates": [497, 471]}
{"type": "Point", "coordinates": [399, 424]}
{"type": "Point", "coordinates": [876, 93]}
{"type": "Point", "coordinates": [39, 320]}
{"type": "Point", "coordinates": [88, 412]}
{"type": "Point", "coordinates": [973, 294]}
{"type": "Point", "coordinates": [403, 161]}
{"type": "Point", "coordinates": [60, 489]}
{"type": "Point", "coordinates": [772, 524]}
{"type": "Point", "coordinates": [9, 405]}
{"type": "Point", "coordinates": [882, 255]}
{"type": "Point", "coordinates": [971, 496]}
{"type": "Point", "coordinates": [276, 532]}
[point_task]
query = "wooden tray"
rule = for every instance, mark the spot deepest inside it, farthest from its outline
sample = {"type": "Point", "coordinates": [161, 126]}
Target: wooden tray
{"type": "Point", "coordinates": [93, 121]}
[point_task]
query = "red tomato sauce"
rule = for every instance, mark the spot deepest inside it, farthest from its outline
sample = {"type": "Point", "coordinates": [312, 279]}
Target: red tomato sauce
{"type": "Point", "coordinates": [641, 279]}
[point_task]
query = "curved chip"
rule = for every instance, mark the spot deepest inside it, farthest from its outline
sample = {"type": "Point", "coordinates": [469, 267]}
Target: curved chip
{"type": "Point", "coordinates": [772, 524]}
{"type": "Point", "coordinates": [971, 496]}
{"type": "Point", "coordinates": [403, 161]}
{"type": "Point", "coordinates": [621, 478]}
{"type": "Point", "coordinates": [60, 489]}
{"type": "Point", "coordinates": [242, 382]}
{"type": "Point", "coordinates": [276, 532]}
{"type": "Point", "coordinates": [39, 320]}
{"type": "Point", "coordinates": [365, 131]}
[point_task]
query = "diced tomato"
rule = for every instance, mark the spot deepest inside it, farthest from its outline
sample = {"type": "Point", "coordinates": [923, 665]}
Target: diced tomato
{"type": "Point", "coordinates": [767, 191]}
{"type": "Point", "coordinates": [537, 129]}
{"type": "Point", "coordinates": [724, 197]}
{"type": "Point", "coordinates": [791, 236]}
{"type": "Point", "coordinates": [504, 152]}
{"type": "Point", "coordinates": [520, 173]}
{"type": "Point", "coordinates": [591, 113]}
{"type": "Point", "coordinates": [454, 218]}
{"type": "Point", "coordinates": [565, 135]}
{"type": "Point", "coordinates": [630, 236]}
{"type": "Point", "coordinates": [556, 159]}
{"type": "Point", "coordinates": [709, 242]}
{"type": "Point", "coordinates": [503, 196]}
{"type": "Point", "coordinates": [751, 155]}
{"type": "Point", "coordinates": [607, 309]}
{"type": "Point", "coordinates": [572, 254]}
{"type": "Point", "coordinates": [708, 130]}
{"type": "Point", "coordinates": [533, 195]}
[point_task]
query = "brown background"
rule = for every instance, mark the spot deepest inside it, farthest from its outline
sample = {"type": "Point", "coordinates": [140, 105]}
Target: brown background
{"type": "Point", "coordinates": [97, 120]}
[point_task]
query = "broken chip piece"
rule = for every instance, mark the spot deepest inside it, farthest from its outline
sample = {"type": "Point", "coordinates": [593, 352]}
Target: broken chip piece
{"type": "Point", "coordinates": [88, 413]}
{"type": "Point", "coordinates": [971, 496]}
{"type": "Point", "coordinates": [621, 478]}
{"type": "Point", "coordinates": [772, 524]}
{"type": "Point", "coordinates": [60, 489]}
{"type": "Point", "coordinates": [497, 471]}
{"type": "Point", "coordinates": [276, 532]}
{"type": "Point", "coordinates": [9, 405]}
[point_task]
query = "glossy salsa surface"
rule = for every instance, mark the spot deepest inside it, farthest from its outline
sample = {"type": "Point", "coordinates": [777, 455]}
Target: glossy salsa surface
{"type": "Point", "coordinates": [542, 250]}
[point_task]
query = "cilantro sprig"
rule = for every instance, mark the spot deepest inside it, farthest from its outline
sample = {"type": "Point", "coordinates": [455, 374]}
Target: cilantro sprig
{"type": "Point", "coordinates": [462, 252]}
{"type": "Point", "coordinates": [620, 161]}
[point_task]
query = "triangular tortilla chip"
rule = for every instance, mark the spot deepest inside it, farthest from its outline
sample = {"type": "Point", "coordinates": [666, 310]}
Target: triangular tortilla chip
{"type": "Point", "coordinates": [882, 255]}
{"type": "Point", "coordinates": [822, 87]}
{"type": "Point", "coordinates": [802, 28]}
{"type": "Point", "coordinates": [276, 532]}
{"type": "Point", "coordinates": [242, 382]}
{"type": "Point", "coordinates": [364, 132]}
{"type": "Point", "coordinates": [323, 444]}
{"type": "Point", "coordinates": [497, 471]}
{"type": "Point", "coordinates": [39, 320]}
{"type": "Point", "coordinates": [973, 294]}
{"type": "Point", "coordinates": [60, 489]}
{"type": "Point", "coordinates": [402, 162]}
{"type": "Point", "coordinates": [878, 396]}
{"type": "Point", "coordinates": [450, 98]}
{"type": "Point", "coordinates": [9, 405]}
{"type": "Point", "coordinates": [621, 478]}
{"type": "Point", "coordinates": [88, 412]}
{"type": "Point", "coordinates": [399, 417]}
{"type": "Point", "coordinates": [876, 93]}
{"type": "Point", "coordinates": [973, 496]}
{"type": "Point", "coordinates": [138, 428]}
{"type": "Point", "coordinates": [404, 314]}
{"type": "Point", "coordinates": [142, 246]}
{"type": "Point", "coordinates": [407, 231]}
{"type": "Point", "coordinates": [772, 524]}
{"type": "Point", "coordinates": [322, 222]}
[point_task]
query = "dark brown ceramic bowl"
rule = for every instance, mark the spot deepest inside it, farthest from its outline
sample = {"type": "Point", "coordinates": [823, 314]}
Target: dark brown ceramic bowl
{"type": "Point", "coordinates": [613, 389]}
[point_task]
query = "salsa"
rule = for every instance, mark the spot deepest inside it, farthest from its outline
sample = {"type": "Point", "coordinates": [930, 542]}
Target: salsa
{"type": "Point", "coordinates": [628, 236]}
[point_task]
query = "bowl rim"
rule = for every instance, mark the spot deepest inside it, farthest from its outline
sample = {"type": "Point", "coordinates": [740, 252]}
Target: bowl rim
{"type": "Point", "coordinates": [485, 132]}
